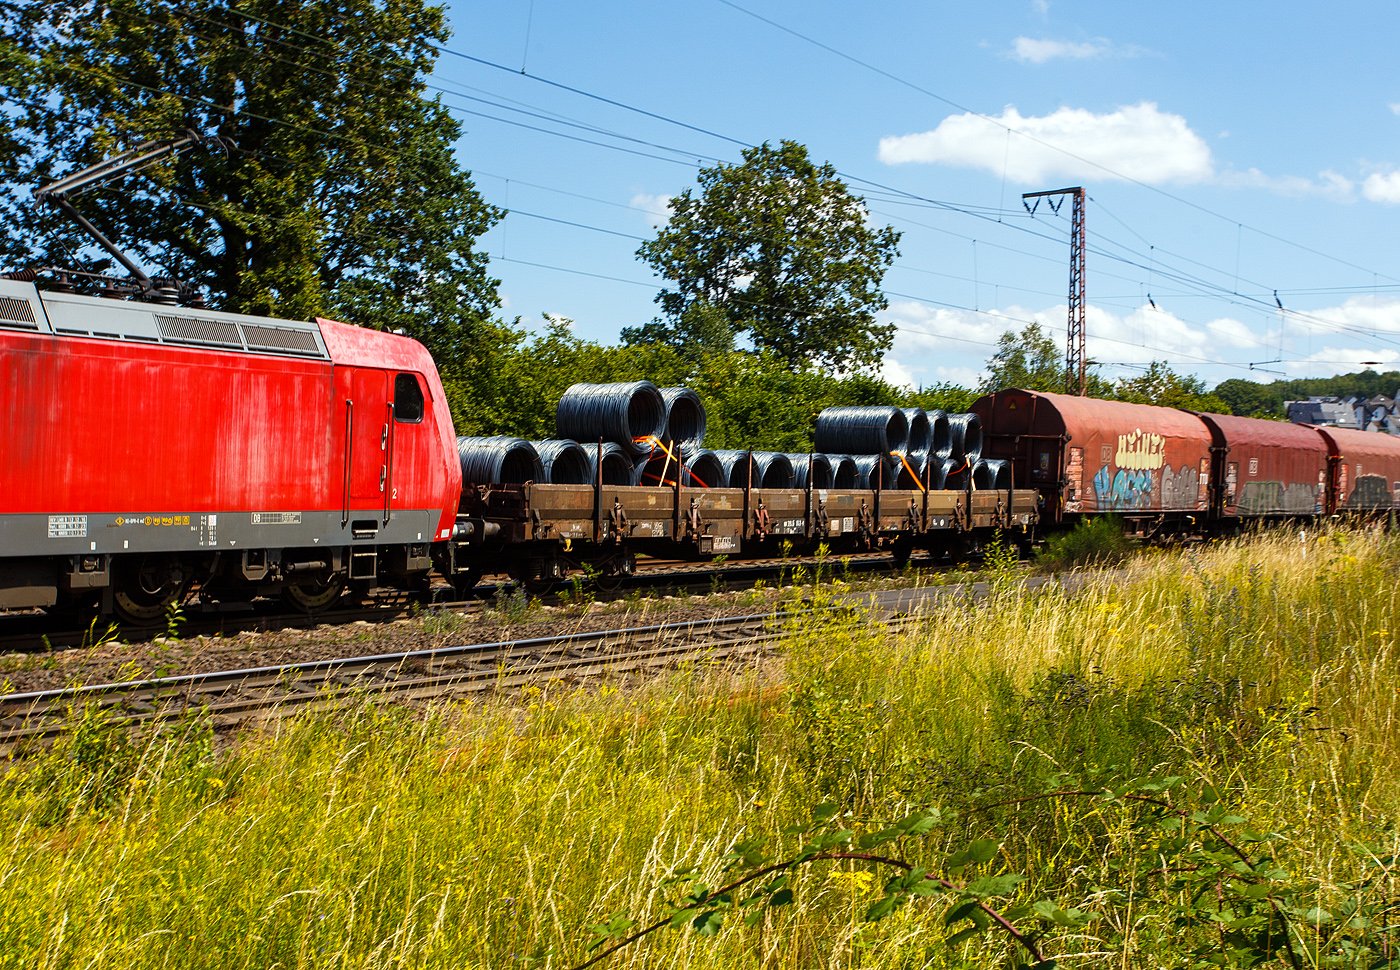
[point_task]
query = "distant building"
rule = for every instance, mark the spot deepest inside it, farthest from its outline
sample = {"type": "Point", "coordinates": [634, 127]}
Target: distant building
{"type": "Point", "coordinates": [1379, 413]}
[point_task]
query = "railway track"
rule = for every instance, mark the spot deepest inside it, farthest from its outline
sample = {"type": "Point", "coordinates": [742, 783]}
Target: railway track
{"type": "Point", "coordinates": [34, 631]}
{"type": "Point", "coordinates": [234, 697]}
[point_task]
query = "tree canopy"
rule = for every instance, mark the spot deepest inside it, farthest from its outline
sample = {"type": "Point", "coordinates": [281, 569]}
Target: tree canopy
{"type": "Point", "coordinates": [341, 197]}
{"type": "Point", "coordinates": [776, 249]}
{"type": "Point", "coordinates": [1029, 360]}
{"type": "Point", "coordinates": [1161, 385]}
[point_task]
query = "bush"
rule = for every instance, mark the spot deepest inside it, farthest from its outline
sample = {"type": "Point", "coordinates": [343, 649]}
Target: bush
{"type": "Point", "coordinates": [1094, 541]}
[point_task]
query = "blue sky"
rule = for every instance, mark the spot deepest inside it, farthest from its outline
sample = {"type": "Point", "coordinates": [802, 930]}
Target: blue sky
{"type": "Point", "coordinates": [1228, 151]}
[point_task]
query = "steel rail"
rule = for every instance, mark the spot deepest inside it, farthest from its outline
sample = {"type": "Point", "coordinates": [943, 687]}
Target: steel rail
{"type": "Point", "coordinates": [234, 695]}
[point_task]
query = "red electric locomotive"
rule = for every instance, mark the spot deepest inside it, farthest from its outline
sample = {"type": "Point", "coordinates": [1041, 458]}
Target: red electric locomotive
{"type": "Point", "coordinates": [152, 445]}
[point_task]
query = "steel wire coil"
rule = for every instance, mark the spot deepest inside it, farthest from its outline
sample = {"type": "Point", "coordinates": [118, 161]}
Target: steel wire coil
{"type": "Point", "coordinates": [910, 471]}
{"type": "Point", "coordinates": [631, 415]}
{"type": "Point", "coordinates": [703, 470]}
{"type": "Point", "coordinates": [940, 437]}
{"type": "Point", "coordinates": [935, 472]}
{"type": "Point", "coordinates": [816, 466]}
{"type": "Point", "coordinates": [861, 430]}
{"type": "Point", "coordinates": [991, 473]}
{"type": "Point", "coordinates": [774, 468]}
{"type": "Point", "coordinates": [957, 474]}
{"type": "Point", "coordinates": [919, 438]}
{"type": "Point", "coordinates": [736, 472]}
{"type": "Point", "coordinates": [499, 460]}
{"type": "Point", "coordinates": [618, 467]}
{"type": "Point", "coordinates": [843, 471]}
{"type": "Point", "coordinates": [565, 462]}
{"type": "Point", "coordinates": [685, 418]}
{"type": "Point", "coordinates": [876, 471]}
{"type": "Point", "coordinates": [965, 433]}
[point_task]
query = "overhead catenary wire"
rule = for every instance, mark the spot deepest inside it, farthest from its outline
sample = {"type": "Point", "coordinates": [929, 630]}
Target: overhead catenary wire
{"type": "Point", "coordinates": [966, 209]}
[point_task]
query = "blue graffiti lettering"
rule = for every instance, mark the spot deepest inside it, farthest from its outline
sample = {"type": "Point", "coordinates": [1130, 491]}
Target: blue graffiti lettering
{"type": "Point", "coordinates": [1129, 489]}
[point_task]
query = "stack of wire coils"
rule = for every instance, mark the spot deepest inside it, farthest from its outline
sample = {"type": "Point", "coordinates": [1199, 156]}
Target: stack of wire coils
{"type": "Point", "coordinates": [861, 431]}
{"type": "Point", "coordinates": [565, 461]}
{"type": "Point", "coordinates": [991, 473]}
{"type": "Point", "coordinates": [876, 471]}
{"type": "Point", "coordinates": [659, 431]}
{"type": "Point", "coordinates": [685, 418]}
{"type": "Point", "coordinates": [773, 470]}
{"type": "Point", "coordinates": [965, 436]}
{"type": "Point", "coordinates": [630, 415]}
{"type": "Point", "coordinates": [843, 471]}
{"type": "Point", "coordinates": [940, 435]}
{"type": "Point", "coordinates": [812, 470]}
{"type": "Point", "coordinates": [499, 460]}
{"type": "Point", "coordinates": [919, 440]}
{"type": "Point", "coordinates": [738, 469]}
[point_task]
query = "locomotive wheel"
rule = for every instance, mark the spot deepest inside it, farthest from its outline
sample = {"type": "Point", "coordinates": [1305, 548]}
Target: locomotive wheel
{"type": "Point", "coordinates": [313, 596]}
{"type": "Point", "coordinates": [464, 584]}
{"type": "Point", "coordinates": [144, 591]}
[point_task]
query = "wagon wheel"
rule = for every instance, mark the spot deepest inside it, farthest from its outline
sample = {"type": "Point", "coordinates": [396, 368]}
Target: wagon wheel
{"type": "Point", "coordinates": [900, 551]}
{"type": "Point", "coordinates": [312, 595]}
{"type": "Point", "coordinates": [144, 590]}
{"type": "Point", "coordinates": [608, 582]}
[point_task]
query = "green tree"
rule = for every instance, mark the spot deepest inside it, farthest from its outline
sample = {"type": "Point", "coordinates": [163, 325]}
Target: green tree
{"type": "Point", "coordinates": [1248, 399]}
{"type": "Point", "coordinates": [1029, 360]}
{"type": "Point", "coordinates": [781, 247]}
{"type": "Point", "coordinates": [1161, 385]}
{"type": "Point", "coordinates": [341, 196]}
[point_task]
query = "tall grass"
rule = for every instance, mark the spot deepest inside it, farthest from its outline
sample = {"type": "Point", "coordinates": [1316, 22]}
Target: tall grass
{"type": "Point", "coordinates": [493, 836]}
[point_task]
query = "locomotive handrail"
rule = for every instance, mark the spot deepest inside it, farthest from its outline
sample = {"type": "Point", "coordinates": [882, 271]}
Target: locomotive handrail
{"type": "Point", "coordinates": [349, 446]}
{"type": "Point", "coordinates": [388, 461]}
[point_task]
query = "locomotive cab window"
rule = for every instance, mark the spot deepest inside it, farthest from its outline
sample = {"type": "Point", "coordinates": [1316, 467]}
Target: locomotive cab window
{"type": "Point", "coordinates": [408, 399]}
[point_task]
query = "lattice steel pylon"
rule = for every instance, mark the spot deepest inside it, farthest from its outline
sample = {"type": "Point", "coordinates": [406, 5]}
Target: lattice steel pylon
{"type": "Point", "coordinates": [1076, 364]}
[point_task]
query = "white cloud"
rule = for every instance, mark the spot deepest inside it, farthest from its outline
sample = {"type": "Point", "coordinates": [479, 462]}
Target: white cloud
{"type": "Point", "coordinates": [1382, 188]}
{"type": "Point", "coordinates": [934, 344]}
{"type": "Point", "coordinates": [1361, 312]}
{"type": "Point", "coordinates": [1395, 107]}
{"type": "Point", "coordinates": [656, 208]}
{"type": "Point", "coordinates": [1328, 184]}
{"type": "Point", "coordinates": [1042, 7]}
{"type": "Point", "coordinates": [1038, 51]}
{"type": "Point", "coordinates": [1137, 141]}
